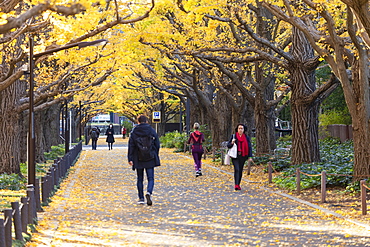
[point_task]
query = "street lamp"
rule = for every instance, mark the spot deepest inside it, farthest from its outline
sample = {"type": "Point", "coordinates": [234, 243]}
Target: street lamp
{"type": "Point", "coordinates": [31, 123]}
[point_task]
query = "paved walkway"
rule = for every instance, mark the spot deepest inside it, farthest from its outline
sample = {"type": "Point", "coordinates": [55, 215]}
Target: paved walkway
{"type": "Point", "coordinates": [97, 206]}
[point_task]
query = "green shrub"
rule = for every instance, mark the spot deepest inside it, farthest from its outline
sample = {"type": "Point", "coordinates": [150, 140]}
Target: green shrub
{"type": "Point", "coordinates": [337, 158]}
{"type": "Point", "coordinates": [173, 140]}
{"type": "Point", "coordinates": [56, 151]}
{"type": "Point", "coordinates": [12, 182]}
{"type": "Point", "coordinates": [335, 117]}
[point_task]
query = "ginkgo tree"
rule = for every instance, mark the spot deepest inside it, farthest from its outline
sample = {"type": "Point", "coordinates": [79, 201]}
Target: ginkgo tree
{"type": "Point", "coordinates": [60, 76]}
{"type": "Point", "coordinates": [192, 34]}
{"type": "Point", "coordinates": [339, 32]}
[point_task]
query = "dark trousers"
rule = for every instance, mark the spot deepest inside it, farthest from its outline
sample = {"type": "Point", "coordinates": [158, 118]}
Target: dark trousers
{"type": "Point", "coordinates": [140, 181]}
{"type": "Point", "coordinates": [238, 163]}
{"type": "Point", "coordinates": [110, 145]}
{"type": "Point", "coordinates": [93, 143]}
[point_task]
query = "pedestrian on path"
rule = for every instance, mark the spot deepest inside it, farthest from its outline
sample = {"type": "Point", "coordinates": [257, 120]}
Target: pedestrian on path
{"type": "Point", "coordinates": [143, 150]}
{"type": "Point", "coordinates": [94, 135]}
{"type": "Point", "coordinates": [124, 131]}
{"type": "Point", "coordinates": [196, 139]}
{"type": "Point", "coordinates": [110, 136]}
{"type": "Point", "coordinates": [244, 148]}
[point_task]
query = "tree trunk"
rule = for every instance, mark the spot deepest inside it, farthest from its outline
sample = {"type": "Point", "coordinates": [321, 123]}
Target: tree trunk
{"type": "Point", "coordinates": [39, 137]}
{"type": "Point", "coordinates": [11, 141]}
{"type": "Point", "coordinates": [51, 129]}
{"type": "Point", "coordinates": [305, 148]}
{"type": "Point", "coordinates": [224, 113]}
{"type": "Point", "coordinates": [262, 131]}
{"type": "Point", "coordinates": [359, 107]}
{"type": "Point", "coordinates": [264, 118]}
{"type": "Point", "coordinates": [10, 133]}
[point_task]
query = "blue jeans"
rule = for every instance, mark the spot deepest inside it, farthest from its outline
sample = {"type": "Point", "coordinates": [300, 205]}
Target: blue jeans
{"type": "Point", "coordinates": [140, 180]}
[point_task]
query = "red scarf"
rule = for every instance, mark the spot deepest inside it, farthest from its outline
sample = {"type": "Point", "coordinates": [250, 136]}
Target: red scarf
{"type": "Point", "coordinates": [242, 144]}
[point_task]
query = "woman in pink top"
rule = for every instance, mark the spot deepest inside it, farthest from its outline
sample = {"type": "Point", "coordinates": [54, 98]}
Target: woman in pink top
{"type": "Point", "coordinates": [196, 139]}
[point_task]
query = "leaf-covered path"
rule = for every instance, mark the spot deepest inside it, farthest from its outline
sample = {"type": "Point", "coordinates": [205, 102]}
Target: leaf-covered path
{"type": "Point", "coordinates": [97, 206]}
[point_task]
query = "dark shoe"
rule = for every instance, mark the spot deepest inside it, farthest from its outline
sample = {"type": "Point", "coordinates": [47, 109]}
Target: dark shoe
{"type": "Point", "coordinates": [197, 174]}
{"type": "Point", "coordinates": [200, 173]}
{"type": "Point", "coordinates": [148, 199]}
{"type": "Point", "coordinates": [141, 201]}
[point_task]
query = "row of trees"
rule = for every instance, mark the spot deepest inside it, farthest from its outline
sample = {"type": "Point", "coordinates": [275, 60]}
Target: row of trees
{"type": "Point", "coordinates": [235, 61]}
{"type": "Point", "coordinates": [61, 77]}
{"type": "Point", "coordinates": [239, 61]}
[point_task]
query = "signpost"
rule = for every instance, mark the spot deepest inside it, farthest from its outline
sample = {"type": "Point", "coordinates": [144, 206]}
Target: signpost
{"type": "Point", "coordinates": [156, 117]}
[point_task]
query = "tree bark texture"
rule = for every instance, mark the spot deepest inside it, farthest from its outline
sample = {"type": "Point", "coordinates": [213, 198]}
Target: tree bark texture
{"type": "Point", "coordinates": [305, 147]}
{"type": "Point", "coordinates": [264, 115]}
{"type": "Point", "coordinates": [223, 112]}
{"type": "Point", "coordinates": [360, 116]}
{"type": "Point", "coordinates": [10, 133]}
{"type": "Point", "coordinates": [51, 127]}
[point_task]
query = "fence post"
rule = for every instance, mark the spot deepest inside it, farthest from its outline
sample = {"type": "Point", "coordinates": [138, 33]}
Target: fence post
{"type": "Point", "coordinates": [44, 197]}
{"type": "Point", "coordinates": [37, 195]}
{"type": "Point", "coordinates": [8, 213]}
{"type": "Point", "coordinates": [249, 167]}
{"type": "Point", "coordinates": [2, 233]}
{"type": "Point", "coordinates": [32, 215]}
{"type": "Point", "coordinates": [50, 186]}
{"type": "Point", "coordinates": [323, 186]}
{"type": "Point", "coordinates": [24, 214]}
{"type": "Point", "coordinates": [270, 172]}
{"type": "Point", "coordinates": [298, 175]}
{"type": "Point", "coordinates": [363, 197]}
{"type": "Point", "coordinates": [56, 174]}
{"type": "Point", "coordinates": [17, 221]}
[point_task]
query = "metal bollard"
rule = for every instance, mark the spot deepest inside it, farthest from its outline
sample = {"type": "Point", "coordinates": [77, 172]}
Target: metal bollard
{"type": "Point", "coordinates": [270, 172]}
{"type": "Point", "coordinates": [323, 186]}
{"type": "Point", "coordinates": [298, 174]}
{"type": "Point", "coordinates": [363, 197]}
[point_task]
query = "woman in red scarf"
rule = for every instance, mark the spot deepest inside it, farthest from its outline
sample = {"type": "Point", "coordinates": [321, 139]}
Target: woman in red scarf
{"type": "Point", "coordinates": [196, 139]}
{"type": "Point", "coordinates": [244, 152]}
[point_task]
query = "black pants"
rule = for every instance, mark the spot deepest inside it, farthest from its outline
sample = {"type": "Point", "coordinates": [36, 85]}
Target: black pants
{"type": "Point", "coordinates": [93, 143]}
{"type": "Point", "coordinates": [238, 163]}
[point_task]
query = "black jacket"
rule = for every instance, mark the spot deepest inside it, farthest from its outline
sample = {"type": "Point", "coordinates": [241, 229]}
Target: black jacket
{"type": "Point", "coordinates": [143, 129]}
{"type": "Point", "coordinates": [230, 145]}
{"type": "Point", "coordinates": [110, 137]}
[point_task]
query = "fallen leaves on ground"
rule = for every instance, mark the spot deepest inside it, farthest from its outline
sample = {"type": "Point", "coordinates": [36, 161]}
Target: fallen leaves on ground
{"type": "Point", "coordinates": [97, 206]}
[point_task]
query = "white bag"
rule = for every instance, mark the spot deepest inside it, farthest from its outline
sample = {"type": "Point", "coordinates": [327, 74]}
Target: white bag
{"type": "Point", "coordinates": [233, 152]}
{"type": "Point", "coordinates": [227, 159]}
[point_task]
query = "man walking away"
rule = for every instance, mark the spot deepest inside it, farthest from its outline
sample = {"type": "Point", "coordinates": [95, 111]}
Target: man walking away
{"type": "Point", "coordinates": [94, 135]}
{"type": "Point", "coordinates": [143, 150]}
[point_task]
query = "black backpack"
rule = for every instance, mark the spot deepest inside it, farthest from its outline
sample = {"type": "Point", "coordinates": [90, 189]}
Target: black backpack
{"type": "Point", "coordinates": [94, 134]}
{"type": "Point", "coordinates": [145, 148]}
